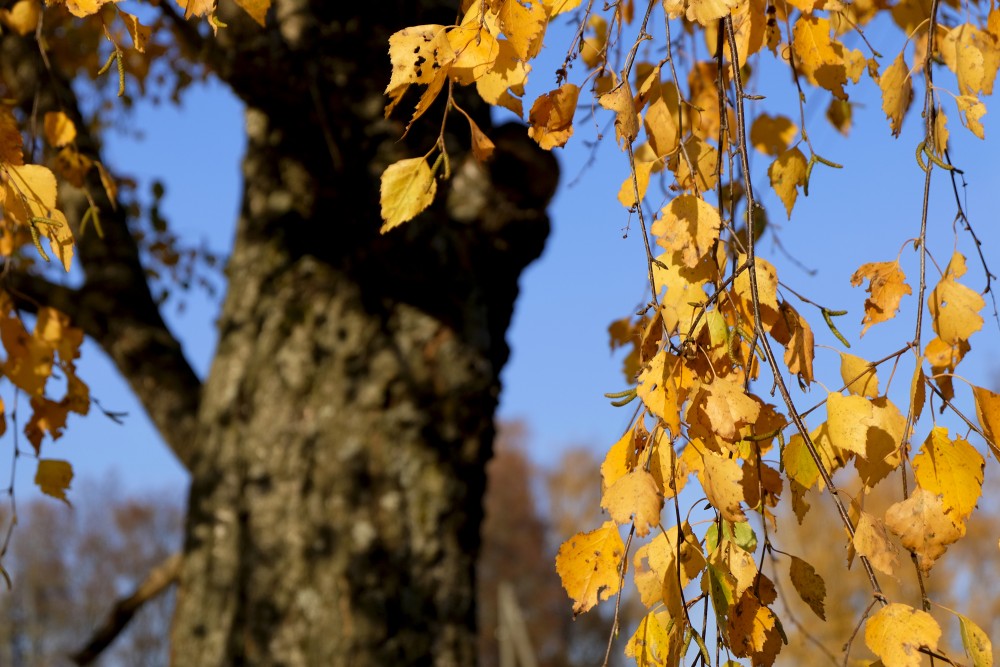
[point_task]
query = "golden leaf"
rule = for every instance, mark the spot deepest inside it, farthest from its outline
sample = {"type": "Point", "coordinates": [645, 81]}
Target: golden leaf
{"type": "Point", "coordinates": [952, 469]}
{"type": "Point", "coordinates": [704, 160]}
{"type": "Point", "coordinates": [523, 23]}
{"type": "Point", "coordinates": [557, 7]}
{"type": "Point", "coordinates": [626, 194]}
{"type": "Point", "coordinates": [973, 55]}
{"type": "Point", "coordinates": [503, 84]}
{"type": "Point", "coordinates": [53, 478]}
{"type": "Point", "coordinates": [551, 116]}
{"type": "Point", "coordinates": [824, 61]}
{"type": "Point", "coordinates": [10, 140]}
{"type": "Point", "coordinates": [420, 55]}
{"type": "Point", "coordinates": [988, 413]}
{"type": "Point", "coordinates": [809, 585]}
{"type": "Point", "coordinates": [662, 122]}
{"type": "Point", "coordinates": [897, 92]}
{"type": "Point", "coordinates": [883, 444]}
{"type": "Point", "coordinates": [897, 631]}
{"type": "Point", "coordinates": [722, 407]}
{"type": "Point", "coordinates": [660, 391]}
{"type": "Point", "coordinates": [794, 333]}
{"type": "Point", "coordinates": [772, 135]}
{"type": "Point", "coordinates": [886, 288]}
{"type": "Point", "coordinates": [840, 114]}
{"type": "Point", "coordinates": [657, 641]}
{"type": "Point", "coordinates": [634, 495]}
{"type": "Point", "coordinates": [707, 12]}
{"type": "Point", "coordinates": [954, 307]}
{"type": "Point", "coordinates": [721, 481]}
{"type": "Point", "coordinates": [767, 291]}
{"type": "Point", "coordinates": [257, 9]}
{"type": "Point", "coordinates": [972, 110]}
{"type": "Point", "coordinates": [408, 187]}
{"type": "Point", "coordinates": [592, 49]}
{"type": "Point", "coordinates": [788, 173]}
{"type": "Point", "coordinates": [871, 540]}
{"type": "Point", "coordinates": [621, 102]}
{"type": "Point", "coordinates": [138, 32]}
{"type": "Point", "coordinates": [859, 376]}
{"type": "Point", "coordinates": [689, 227]}
{"type": "Point", "coordinates": [656, 570]}
{"type": "Point", "coordinates": [84, 8]}
{"type": "Point", "coordinates": [22, 17]}
{"type": "Point", "coordinates": [924, 527]}
{"type": "Point", "coordinates": [588, 564]}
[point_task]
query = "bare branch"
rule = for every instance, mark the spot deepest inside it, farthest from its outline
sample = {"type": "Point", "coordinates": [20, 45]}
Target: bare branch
{"type": "Point", "coordinates": [158, 580]}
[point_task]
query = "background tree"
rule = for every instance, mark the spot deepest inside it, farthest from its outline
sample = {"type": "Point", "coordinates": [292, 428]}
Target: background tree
{"type": "Point", "coordinates": [337, 447]}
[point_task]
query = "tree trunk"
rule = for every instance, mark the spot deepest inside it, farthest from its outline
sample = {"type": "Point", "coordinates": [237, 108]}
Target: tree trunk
{"type": "Point", "coordinates": [344, 427]}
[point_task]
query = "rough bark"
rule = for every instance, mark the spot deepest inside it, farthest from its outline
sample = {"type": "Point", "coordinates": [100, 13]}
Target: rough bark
{"type": "Point", "coordinates": [344, 427]}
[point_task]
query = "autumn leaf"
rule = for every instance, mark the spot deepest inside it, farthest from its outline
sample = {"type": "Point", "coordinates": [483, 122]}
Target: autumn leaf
{"type": "Point", "coordinates": [408, 187]}
{"type": "Point", "coordinates": [658, 576]}
{"type": "Point", "coordinates": [788, 173]}
{"type": "Point", "coordinates": [656, 641]}
{"type": "Point", "coordinates": [420, 55]}
{"type": "Point", "coordinates": [10, 139]}
{"type": "Point", "coordinates": [551, 116]}
{"type": "Point", "coordinates": [809, 585]}
{"type": "Point", "coordinates": [897, 92]}
{"type": "Point", "coordinates": [620, 101]}
{"type": "Point", "coordinates": [953, 469]}
{"type": "Point", "coordinates": [924, 527]}
{"type": "Point", "coordinates": [753, 631]}
{"type": "Point", "coordinates": [886, 288]}
{"type": "Point", "coordinates": [138, 32]}
{"type": "Point", "coordinates": [634, 495]}
{"type": "Point", "coordinates": [896, 633]}
{"type": "Point", "coordinates": [503, 84]}
{"type": "Point", "coordinates": [626, 194]}
{"type": "Point", "coordinates": [706, 12]}
{"type": "Point", "coordinates": [824, 61]}
{"type": "Point", "coordinates": [662, 123]}
{"type": "Point", "coordinates": [954, 307]}
{"type": "Point", "coordinates": [257, 9]}
{"type": "Point", "coordinates": [22, 17]}
{"type": "Point", "coordinates": [84, 8]}
{"type": "Point", "coordinates": [588, 564]}
{"type": "Point", "coordinates": [689, 227]}
{"type": "Point", "coordinates": [974, 56]}
{"type": "Point", "coordinates": [53, 478]}
{"type": "Point", "coordinates": [721, 481]}
{"type": "Point", "coordinates": [772, 135]}
{"type": "Point", "coordinates": [988, 413]}
{"type": "Point", "coordinates": [660, 391]}
{"type": "Point", "coordinates": [523, 23]}
{"type": "Point", "coordinates": [972, 110]}
{"type": "Point", "coordinates": [871, 540]}
{"type": "Point", "coordinates": [858, 375]}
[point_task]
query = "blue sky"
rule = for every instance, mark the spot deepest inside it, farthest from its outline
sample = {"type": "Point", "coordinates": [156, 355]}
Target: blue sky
{"type": "Point", "coordinates": [589, 275]}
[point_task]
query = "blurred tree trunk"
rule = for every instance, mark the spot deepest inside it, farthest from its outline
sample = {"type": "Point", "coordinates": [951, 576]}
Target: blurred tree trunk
{"type": "Point", "coordinates": [339, 453]}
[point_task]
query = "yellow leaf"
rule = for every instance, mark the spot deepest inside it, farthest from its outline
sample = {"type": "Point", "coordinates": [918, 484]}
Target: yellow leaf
{"type": "Point", "coordinates": [408, 187]}
{"type": "Point", "coordinates": [704, 160]}
{"type": "Point", "coordinates": [626, 194]}
{"type": "Point", "coordinates": [194, 7]}
{"type": "Point", "coordinates": [886, 288]}
{"type": "Point", "coordinates": [788, 173]}
{"type": "Point", "coordinates": [54, 477]}
{"type": "Point", "coordinates": [753, 631]}
{"type": "Point", "coordinates": [662, 122]}
{"type": "Point", "coordinates": [823, 61]}
{"type": "Point", "coordinates": [973, 55]}
{"type": "Point", "coordinates": [83, 8]}
{"type": "Point", "coordinates": [952, 469]}
{"type": "Point", "coordinates": [772, 135]}
{"type": "Point", "coordinates": [656, 641]}
{"type": "Point", "coordinates": [523, 23]}
{"type": "Point", "coordinates": [767, 291]}
{"type": "Point", "coordinates": [924, 527]}
{"type": "Point", "coordinates": [588, 564]}
{"type": "Point", "coordinates": [897, 92]}
{"type": "Point", "coordinates": [476, 47]}
{"type": "Point", "coordinates": [722, 407]}
{"type": "Point", "coordinates": [972, 110]}
{"type": "Point", "coordinates": [954, 307]}
{"type": "Point", "coordinates": [59, 129]}
{"type": "Point", "coordinates": [257, 9]}
{"type": "Point", "coordinates": [918, 393]}
{"type": "Point", "coordinates": [659, 389]}
{"type": "Point", "coordinates": [797, 337]}
{"type": "Point", "coordinates": [592, 49]}
{"type": "Point", "coordinates": [23, 17]}
{"type": "Point", "coordinates": [897, 632]}
{"type": "Point", "coordinates": [689, 227]}
{"type": "Point", "coordinates": [503, 84]}
{"type": "Point", "coordinates": [72, 165]}
{"type": "Point", "coordinates": [883, 442]}
{"type": "Point", "coordinates": [557, 7]}
{"type": "Point", "coordinates": [988, 413]}
{"type": "Point", "coordinates": [634, 495]}
{"type": "Point", "coordinates": [849, 418]}
{"type": "Point", "coordinates": [656, 570]}
{"type": "Point", "coordinates": [940, 132]}
{"type": "Point", "coordinates": [707, 12]}
{"type": "Point", "coordinates": [721, 481]}
{"type": "Point", "coordinates": [809, 585]}
{"type": "Point", "coordinates": [977, 644]}
{"type": "Point", "coordinates": [621, 102]}
{"type": "Point", "coordinates": [551, 116]}
{"type": "Point", "coordinates": [420, 55]}
{"type": "Point", "coordinates": [872, 541]}
{"type": "Point", "coordinates": [858, 375]}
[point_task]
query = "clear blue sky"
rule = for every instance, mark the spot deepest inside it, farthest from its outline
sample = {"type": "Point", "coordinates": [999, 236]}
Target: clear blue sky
{"type": "Point", "coordinates": [589, 275]}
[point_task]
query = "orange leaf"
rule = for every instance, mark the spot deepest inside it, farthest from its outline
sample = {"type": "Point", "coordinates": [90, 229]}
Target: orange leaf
{"type": "Point", "coordinates": [588, 564]}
